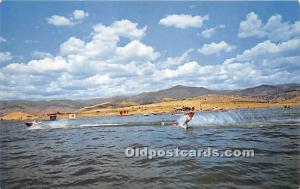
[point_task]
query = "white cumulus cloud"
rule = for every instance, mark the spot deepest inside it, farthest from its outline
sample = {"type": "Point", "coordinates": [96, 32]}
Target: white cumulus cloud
{"type": "Point", "coordinates": [79, 14]}
{"type": "Point", "coordinates": [58, 20]}
{"type": "Point", "coordinates": [72, 46]}
{"type": "Point", "coordinates": [209, 32]}
{"type": "Point", "coordinates": [126, 28]}
{"type": "Point", "coordinates": [5, 56]}
{"type": "Point", "coordinates": [173, 62]}
{"type": "Point", "coordinates": [268, 49]}
{"type": "Point", "coordinates": [183, 21]}
{"type": "Point", "coordinates": [101, 66]}
{"type": "Point", "coordinates": [274, 29]}
{"type": "Point", "coordinates": [40, 66]}
{"type": "Point", "coordinates": [93, 67]}
{"type": "Point", "coordinates": [216, 48]}
{"type": "Point", "coordinates": [184, 70]}
{"type": "Point", "coordinates": [137, 50]}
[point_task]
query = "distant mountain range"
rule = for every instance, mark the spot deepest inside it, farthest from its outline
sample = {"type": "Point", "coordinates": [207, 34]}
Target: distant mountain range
{"type": "Point", "coordinates": [279, 92]}
{"type": "Point", "coordinates": [267, 92]}
{"type": "Point", "coordinates": [176, 92]}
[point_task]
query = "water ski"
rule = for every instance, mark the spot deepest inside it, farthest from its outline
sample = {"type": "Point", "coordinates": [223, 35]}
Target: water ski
{"type": "Point", "coordinates": [185, 127]}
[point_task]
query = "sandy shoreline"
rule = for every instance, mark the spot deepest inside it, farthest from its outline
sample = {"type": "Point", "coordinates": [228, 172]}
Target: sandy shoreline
{"type": "Point", "coordinates": [202, 103]}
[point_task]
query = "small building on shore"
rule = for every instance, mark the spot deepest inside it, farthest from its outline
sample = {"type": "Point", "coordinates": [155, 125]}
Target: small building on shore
{"type": "Point", "coordinates": [54, 116]}
{"type": "Point", "coordinates": [60, 115]}
{"type": "Point", "coordinates": [72, 116]}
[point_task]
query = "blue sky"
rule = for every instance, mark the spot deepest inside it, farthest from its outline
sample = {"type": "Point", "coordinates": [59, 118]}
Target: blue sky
{"type": "Point", "coordinates": [100, 49]}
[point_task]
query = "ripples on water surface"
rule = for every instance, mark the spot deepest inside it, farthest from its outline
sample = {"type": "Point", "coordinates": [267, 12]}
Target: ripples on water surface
{"type": "Point", "coordinates": [89, 153]}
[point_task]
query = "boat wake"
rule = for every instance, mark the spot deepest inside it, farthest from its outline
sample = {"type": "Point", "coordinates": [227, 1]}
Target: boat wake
{"type": "Point", "coordinates": [65, 124]}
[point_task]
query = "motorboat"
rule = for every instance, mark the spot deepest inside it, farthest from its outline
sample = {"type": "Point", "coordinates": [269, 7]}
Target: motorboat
{"type": "Point", "coordinates": [29, 124]}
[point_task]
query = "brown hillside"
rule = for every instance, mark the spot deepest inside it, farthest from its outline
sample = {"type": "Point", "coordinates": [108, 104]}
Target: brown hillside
{"type": "Point", "coordinates": [16, 116]}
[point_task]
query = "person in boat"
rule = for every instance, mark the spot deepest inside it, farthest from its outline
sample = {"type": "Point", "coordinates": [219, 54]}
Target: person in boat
{"type": "Point", "coordinates": [190, 114]}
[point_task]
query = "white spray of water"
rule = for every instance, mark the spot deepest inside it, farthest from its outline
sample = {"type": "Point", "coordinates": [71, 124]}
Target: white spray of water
{"type": "Point", "coordinates": [182, 119]}
{"type": "Point", "coordinates": [64, 123]}
{"type": "Point", "coordinates": [218, 118]}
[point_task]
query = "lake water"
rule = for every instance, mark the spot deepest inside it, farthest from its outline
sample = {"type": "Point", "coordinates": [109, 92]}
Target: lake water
{"type": "Point", "coordinates": [89, 152]}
